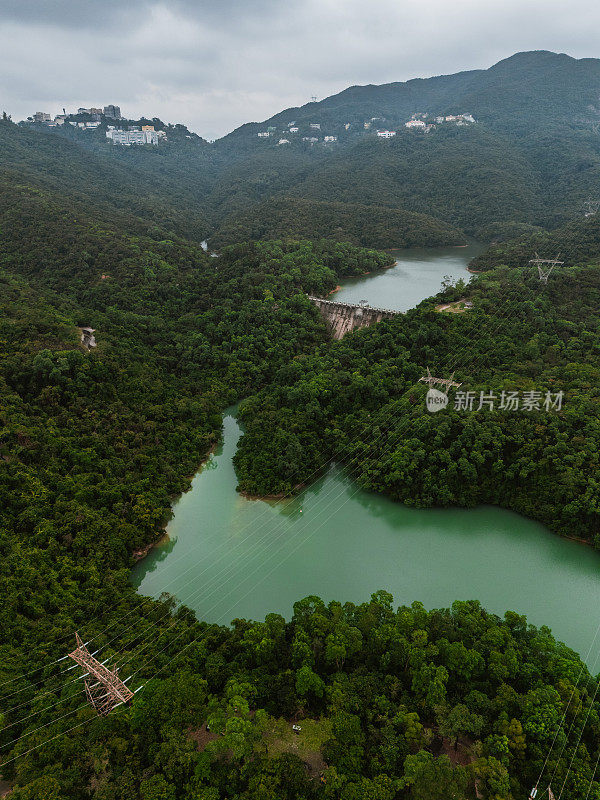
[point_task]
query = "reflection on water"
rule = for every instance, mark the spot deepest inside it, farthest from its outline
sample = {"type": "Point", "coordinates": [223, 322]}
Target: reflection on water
{"type": "Point", "coordinates": [228, 556]}
{"type": "Point", "coordinates": [418, 273]}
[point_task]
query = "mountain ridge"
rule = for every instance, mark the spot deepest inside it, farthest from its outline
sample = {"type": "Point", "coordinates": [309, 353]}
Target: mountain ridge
{"type": "Point", "coordinates": [516, 60]}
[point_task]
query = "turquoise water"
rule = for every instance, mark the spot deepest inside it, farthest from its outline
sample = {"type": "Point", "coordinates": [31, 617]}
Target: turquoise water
{"type": "Point", "coordinates": [417, 274]}
{"type": "Point", "coordinates": [227, 556]}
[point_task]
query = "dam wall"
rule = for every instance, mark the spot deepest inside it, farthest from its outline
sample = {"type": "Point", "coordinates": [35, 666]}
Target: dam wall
{"type": "Point", "coordinates": [341, 318]}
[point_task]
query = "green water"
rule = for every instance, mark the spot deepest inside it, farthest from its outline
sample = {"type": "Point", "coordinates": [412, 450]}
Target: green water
{"type": "Point", "coordinates": [417, 274]}
{"type": "Point", "coordinates": [226, 556]}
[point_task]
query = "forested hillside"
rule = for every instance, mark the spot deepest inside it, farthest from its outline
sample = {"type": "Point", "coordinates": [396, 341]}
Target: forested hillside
{"type": "Point", "coordinates": [575, 243]}
{"type": "Point", "coordinates": [520, 336]}
{"type": "Point", "coordinates": [115, 190]}
{"type": "Point", "coordinates": [375, 226]}
{"type": "Point", "coordinates": [531, 158]}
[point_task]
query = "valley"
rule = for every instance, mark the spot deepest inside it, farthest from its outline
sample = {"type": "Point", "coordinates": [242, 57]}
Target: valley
{"type": "Point", "coordinates": [409, 612]}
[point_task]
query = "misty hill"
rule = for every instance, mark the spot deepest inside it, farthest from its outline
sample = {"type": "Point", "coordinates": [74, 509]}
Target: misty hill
{"type": "Point", "coordinates": [529, 85]}
{"type": "Point", "coordinates": [373, 226]}
{"type": "Point", "coordinates": [530, 159]}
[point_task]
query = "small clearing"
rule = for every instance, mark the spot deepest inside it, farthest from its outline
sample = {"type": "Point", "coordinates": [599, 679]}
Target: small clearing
{"type": "Point", "coordinates": [307, 744]}
{"type": "Point", "coordinates": [202, 736]}
{"type": "Point", "coordinates": [457, 307]}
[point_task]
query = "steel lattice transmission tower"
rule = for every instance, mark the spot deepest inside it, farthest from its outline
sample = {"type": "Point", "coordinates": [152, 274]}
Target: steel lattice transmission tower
{"type": "Point", "coordinates": [545, 266]}
{"type": "Point", "coordinates": [591, 207]}
{"type": "Point", "coordinates": [103, 687]}
{"type": "Point", "coordinates": [446, 382]}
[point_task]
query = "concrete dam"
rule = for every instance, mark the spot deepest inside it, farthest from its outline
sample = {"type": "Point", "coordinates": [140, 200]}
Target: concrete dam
{"type": "Point", "coordinates": [341, 318]}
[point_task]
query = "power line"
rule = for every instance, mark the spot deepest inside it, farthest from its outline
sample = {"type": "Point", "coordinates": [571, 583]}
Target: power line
{"type": "Point", "coordinates": [178, 637]}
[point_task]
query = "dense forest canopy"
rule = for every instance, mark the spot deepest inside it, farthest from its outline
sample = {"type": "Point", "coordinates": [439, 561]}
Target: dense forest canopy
{"type": "Point", "coordinates": [392, 703]}
{"type": "Point", "coordinates": [575, 243]}
{"type": "Point", "coordinates": [375, 226]}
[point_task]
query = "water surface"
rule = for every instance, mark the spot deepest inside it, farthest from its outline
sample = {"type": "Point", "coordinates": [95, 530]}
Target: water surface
{"type": "Point", "coordinates": [226, 556]}
{"type": "Point", "coordinates": [417, 274]}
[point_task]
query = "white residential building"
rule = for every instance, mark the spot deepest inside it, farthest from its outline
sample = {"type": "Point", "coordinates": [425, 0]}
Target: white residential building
{"type": "Point", "coordinates": [415, 123]}
{"type": "Point", "coordinates": [316, 126]}
{"type": "Point", "coordinates": [283, 141]}
{"type": "Point", "coordinates": [330, 139]}
{"type": "Point", "coordinates": [294, 130]}
{"type": "Point", "coordinates": [41, 116]}
{"type": "Point", "coordinates": [128, 138]}
{"type": "Point", "coordinates": [263, 135]}
{"type": "Point", "coordinates": [386, 134]}
{"type": "Point", "coordinates": [311, 139]}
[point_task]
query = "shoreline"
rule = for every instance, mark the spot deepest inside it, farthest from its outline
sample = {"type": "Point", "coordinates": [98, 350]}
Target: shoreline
{"type": "Point", "coordinates": [354, 277]}
{"type": "Point", "coordinates": [141, 553]}
{"type": "Point", "coordinates": [273, 498]}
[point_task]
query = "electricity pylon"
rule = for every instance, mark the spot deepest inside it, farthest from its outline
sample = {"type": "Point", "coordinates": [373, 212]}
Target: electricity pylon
{"type": "Point", "coordinates": [103, 687]}
{"type": "Point", "coordinates": [591, 207]}
{"type": "Point", "coordinates": [545, 266]}
{"type": "Point", "coordinates": [446, 382]}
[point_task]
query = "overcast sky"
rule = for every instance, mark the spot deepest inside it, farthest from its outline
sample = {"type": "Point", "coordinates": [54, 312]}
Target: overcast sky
{"type": "Point", "coordinates": [214, 64]}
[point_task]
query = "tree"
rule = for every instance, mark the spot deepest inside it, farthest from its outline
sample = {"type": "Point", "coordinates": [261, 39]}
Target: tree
{"type": "Point", "coordinates": [458, 721]}
{"type": "Point", "coordinates": [157, 788]}
{"type": "Point", "coordinates": [429, 778]}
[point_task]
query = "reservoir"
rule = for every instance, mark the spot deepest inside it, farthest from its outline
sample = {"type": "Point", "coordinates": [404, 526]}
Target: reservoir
{"type": "Point", "coordinates": [226, 556]}
{"type": "Point", "coordinates": [417, 274]}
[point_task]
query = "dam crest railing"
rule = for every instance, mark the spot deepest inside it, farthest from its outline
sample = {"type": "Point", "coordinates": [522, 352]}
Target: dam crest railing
{"type": "Point", "coordinates": [353, 305]}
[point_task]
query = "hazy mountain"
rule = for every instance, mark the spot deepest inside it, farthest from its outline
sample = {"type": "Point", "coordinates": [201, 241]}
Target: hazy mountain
{"type": "Point", "coordinates": [526, 84]}
{"type": "Point", "coordinates": [531, 157]}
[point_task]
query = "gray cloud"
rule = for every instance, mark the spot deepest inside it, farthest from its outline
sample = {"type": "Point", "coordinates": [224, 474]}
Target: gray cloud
{"type": "Point", "coordinates": [215, 65]}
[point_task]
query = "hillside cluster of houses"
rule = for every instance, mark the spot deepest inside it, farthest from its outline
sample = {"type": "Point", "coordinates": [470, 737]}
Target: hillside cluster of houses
{"type": "Point", "coordinates": [135, 134]}
{"type": "Point", "coordinates": [132, 134]}
{"type": "Point", "coordinates": [110, 112]}
{"type": "Point", "coordinates": [293, 130]}
{"type": "Point", "coordinates": [422, 122]}
{"type": "Point", "coordinates": [425, 123]}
